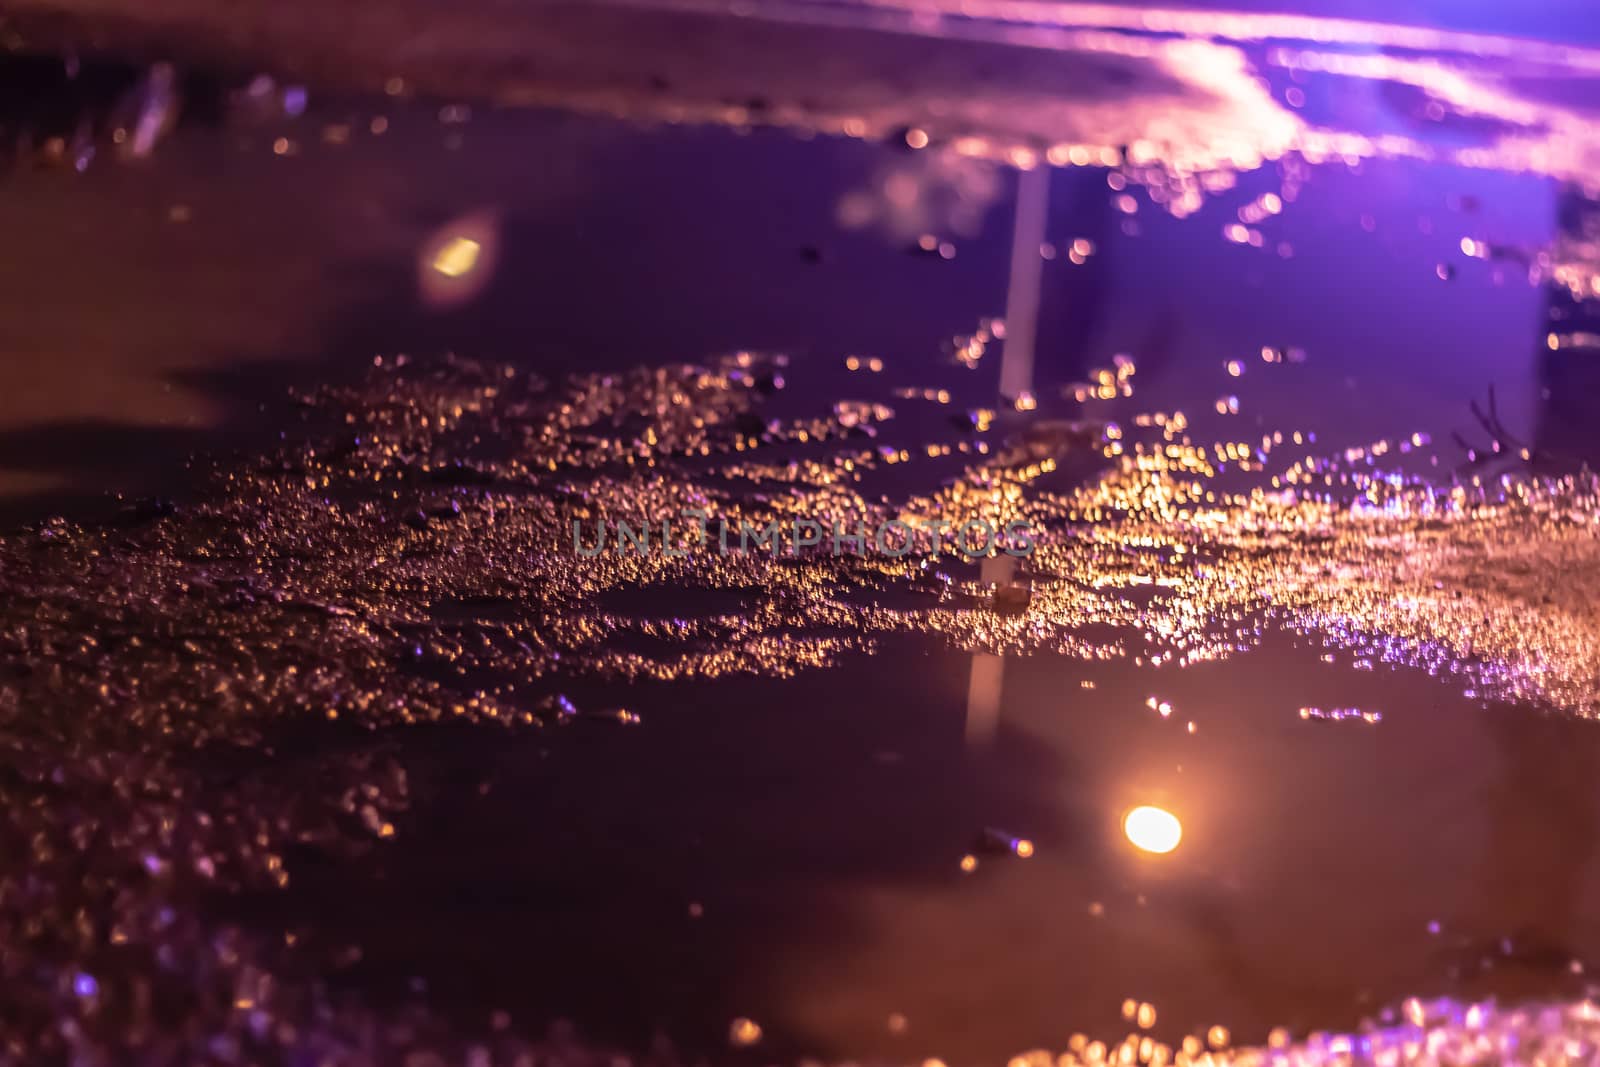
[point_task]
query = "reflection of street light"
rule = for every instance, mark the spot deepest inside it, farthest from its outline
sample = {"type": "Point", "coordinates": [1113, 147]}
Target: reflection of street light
{"type": "Point", "coordinates": [457, 261]}
{"type": "Point", "coordinates": [742, 1032]}
{"type": "Point", "coordinates": [1152, 829]}
{"type": "Point", "coordinates": [457, 258]}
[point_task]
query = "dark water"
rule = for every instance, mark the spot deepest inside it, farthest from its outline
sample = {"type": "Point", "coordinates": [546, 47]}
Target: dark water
{"type": "Point", "coordinates": [1327, 870]}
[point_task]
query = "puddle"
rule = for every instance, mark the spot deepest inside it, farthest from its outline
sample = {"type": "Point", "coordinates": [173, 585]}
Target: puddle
{"type": "Point", "coordinates": [794, 854]}
{"type": "Point", "coordinates": [1253, 352]}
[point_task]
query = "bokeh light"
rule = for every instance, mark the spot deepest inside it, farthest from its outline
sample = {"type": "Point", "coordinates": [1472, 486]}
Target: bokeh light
{"type": "Point", "coordinates": [1152, 829]}
{"type": "Point", "coordinates": [457, 261]}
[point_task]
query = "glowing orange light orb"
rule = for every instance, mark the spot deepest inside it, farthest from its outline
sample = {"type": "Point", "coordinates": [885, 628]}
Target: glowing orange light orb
{"type": "Point", "coordinates": [1152, 829]}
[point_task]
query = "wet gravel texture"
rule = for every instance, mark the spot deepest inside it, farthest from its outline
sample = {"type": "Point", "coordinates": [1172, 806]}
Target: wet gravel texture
{"type": "Point", "coordinates": [195, 696]}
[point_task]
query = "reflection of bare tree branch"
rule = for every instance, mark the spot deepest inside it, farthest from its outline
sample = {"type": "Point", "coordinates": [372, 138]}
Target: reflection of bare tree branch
{"type": "Point", "coordinates": [1492, 423]}
{"type": "Point", "coordinates": [1503, 444]}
